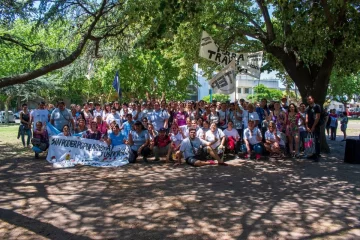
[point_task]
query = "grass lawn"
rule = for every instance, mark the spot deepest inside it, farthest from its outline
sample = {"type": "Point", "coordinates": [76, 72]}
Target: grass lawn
{"type": "Point", "coordinates": [8, 133]}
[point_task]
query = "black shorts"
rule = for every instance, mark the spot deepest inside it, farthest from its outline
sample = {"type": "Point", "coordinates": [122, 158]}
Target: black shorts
{"type": "Point", "coordinates": [201, 157]}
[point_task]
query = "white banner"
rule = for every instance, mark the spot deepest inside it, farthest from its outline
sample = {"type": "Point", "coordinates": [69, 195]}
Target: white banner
{"type": "Point", "coordinates": [224, 81]}
{"type": "Point", "coordinates": [71, 151]}
{"type": "Point", "coordinates": [246, 63]}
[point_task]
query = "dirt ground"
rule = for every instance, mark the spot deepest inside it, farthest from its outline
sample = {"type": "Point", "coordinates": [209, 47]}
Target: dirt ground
{"type": "Point", "coordinates": [291, 199]}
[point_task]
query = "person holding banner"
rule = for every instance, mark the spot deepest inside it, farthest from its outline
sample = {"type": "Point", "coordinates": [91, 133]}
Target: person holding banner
{"type": "Point", "coordinates": [139, 142]}
{"type": "Point", "coordinates": [93, 132]}
{"type": "Point", "coordinates": [116, 137]}
{"type": "Point", "coordinates": [65, 131]}
{"type": "Point", "coordinates": [81, 126]}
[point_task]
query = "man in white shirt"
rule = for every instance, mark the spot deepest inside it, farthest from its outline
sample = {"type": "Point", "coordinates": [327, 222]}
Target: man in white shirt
{"type": "Point", "coordinates": [113, 116]}
{"type": "Point", "coordinates": [40, 115]}
{"type": "Point", "coordinates": [253, 140]}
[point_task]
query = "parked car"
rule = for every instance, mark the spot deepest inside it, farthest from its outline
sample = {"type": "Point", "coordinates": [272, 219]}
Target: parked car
{"type": "Point", "coordinates": [17, 115]}
{"type": "Point", "coordinates": [11, 117]}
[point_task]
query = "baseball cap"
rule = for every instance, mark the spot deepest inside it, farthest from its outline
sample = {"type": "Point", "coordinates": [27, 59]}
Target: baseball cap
{"type": "Point", "coordinates": [162, 130]}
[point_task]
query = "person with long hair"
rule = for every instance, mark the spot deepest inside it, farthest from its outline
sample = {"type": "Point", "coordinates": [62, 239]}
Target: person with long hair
{"type": "Point", "coordinates": [292, 129]}
{"type": "Point", "coordinates": [93, 132]}
{"type": "Point", "coordinates": [25, 125]}
{"type": "Point", "coordinates": [139, 142]}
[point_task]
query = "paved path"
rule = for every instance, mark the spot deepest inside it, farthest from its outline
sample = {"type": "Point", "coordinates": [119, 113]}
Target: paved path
{"type": "Point", "coordinates": [292, 199]}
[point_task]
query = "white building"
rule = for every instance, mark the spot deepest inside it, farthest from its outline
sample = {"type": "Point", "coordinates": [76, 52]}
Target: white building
{"type": "Point", "coordinates": [244, 85]}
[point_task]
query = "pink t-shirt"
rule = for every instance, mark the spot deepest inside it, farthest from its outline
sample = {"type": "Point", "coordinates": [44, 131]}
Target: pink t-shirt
{"type": "Point", "coordinates": [181, 118]}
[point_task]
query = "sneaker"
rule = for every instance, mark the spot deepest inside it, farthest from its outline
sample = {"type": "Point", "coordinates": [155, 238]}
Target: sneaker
{"type": "Point", "coordinates": [211, 162]}
{"type": "Point", "coordinates": [257, 156]}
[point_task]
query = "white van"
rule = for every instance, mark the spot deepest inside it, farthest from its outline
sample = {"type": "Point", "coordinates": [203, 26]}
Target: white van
{"type": "Point", "coordinates": [11, 117]}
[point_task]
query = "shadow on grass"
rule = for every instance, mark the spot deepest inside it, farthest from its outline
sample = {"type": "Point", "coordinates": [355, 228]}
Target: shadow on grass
{"type": "Point", "coordinates": [292, 199]}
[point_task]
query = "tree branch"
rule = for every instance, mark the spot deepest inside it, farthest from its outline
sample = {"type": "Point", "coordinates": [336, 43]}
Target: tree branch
{"type": "Point", "coordinates": [328, 15]}
{"type": "Point", "coordinates": [268, 23]}
{"type": "Point", "coordinates": [21, 78]}
{"type": "Point", "coordinates": [254, 23]}
{"type": "Point", "coordinates": [14, 41]}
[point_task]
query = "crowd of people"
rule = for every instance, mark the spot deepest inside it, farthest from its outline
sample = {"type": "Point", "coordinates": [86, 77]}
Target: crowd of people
{"type": "Point", "coordinates": [199, 132]}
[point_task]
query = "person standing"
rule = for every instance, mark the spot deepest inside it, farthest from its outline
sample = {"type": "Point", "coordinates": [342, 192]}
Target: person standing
{"type": "Point", "coordinates": [25, 127]}
{"type": "Point", "coordinates": [39, 115]}
{"type": "Point", "coordinates": [343, 126]}
{"type": "Point", "coordinates": [312, 123]}
{"type": "Point", "coordinates": [158, 117]}
{"type": "Point", "coordinates": [62, 116]}
{"type": "Point", "coordinates": [333, 119]}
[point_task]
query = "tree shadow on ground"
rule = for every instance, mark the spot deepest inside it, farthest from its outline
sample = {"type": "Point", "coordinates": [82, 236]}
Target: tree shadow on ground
{"type": "Point", "coordinates": [291, 199]}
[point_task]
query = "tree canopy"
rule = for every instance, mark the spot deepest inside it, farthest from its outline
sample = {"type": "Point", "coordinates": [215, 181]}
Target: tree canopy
{"type": "Point", "coordinates": [304, 40]}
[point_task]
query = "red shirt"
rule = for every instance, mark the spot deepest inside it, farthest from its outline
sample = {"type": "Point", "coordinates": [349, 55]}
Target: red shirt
{"type": "Point", "coordinates": [162, 142]}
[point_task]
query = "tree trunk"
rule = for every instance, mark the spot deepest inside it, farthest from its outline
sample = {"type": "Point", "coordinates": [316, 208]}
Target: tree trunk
{"type": "Point", "coordinates": [6, 105]}
{"type": "Point", "coordinates": [310, 79]}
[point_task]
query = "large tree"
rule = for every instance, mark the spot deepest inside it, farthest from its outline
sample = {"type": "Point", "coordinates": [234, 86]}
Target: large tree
{"type": "Point", "coordinates": [304, 38]}
{"type": "Point", "coordinates": [344, 88]}
{"type": "Point", "coordinates": [90, 25]}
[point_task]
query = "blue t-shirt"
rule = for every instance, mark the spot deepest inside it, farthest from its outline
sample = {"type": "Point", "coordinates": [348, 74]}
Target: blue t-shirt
{"type": "Point", "coordinates": [127, 128]}
{"type": "Point", "coordinates": [116, 139]}
{"type": "Point", "coordinates": [139, 139]}
{"type": "Point", "coordinates": [157, 118]}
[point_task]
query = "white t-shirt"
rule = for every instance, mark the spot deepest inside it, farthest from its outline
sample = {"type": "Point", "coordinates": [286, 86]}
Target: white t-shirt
{"type": "Point", "coordinates": [223, 115]}
{"type": "Point", "coordinates": [271, 136]}
{"type": "Point", "coordinates": [41, 115]}
{"type": "Point", "coordinates": [252, 138]}
{"type": "Point", "coordinates": [176, 139]}
{"type": "Point", "coordinates": [233, 133]}
{"type": "Point", "coordinates": [246, 115]}
{"type": "Point", "coordinates": [111, 117]}
{"type": "Point", "coordinates": [210, 137]}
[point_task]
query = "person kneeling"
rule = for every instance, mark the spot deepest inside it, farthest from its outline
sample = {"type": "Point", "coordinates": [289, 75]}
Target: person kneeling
{"type": "Point", "coordinates": [195, 151]}
{"type": "Point", "coordinates": [253, 140]}
{"type": "Point", "coordinates": [40, 140]}
{"type": "Point", "coordinates": [273, 141]}
{"type": "Point", "coordinates": [162, 145]}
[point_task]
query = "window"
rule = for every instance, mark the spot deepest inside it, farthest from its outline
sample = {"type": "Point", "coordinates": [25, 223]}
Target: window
{"type": "Point", "coordinates": [246, 90]}
{"type": "Point", "coordinates": [239, 90]}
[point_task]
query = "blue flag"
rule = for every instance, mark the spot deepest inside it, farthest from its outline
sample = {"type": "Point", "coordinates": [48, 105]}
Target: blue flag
{"type": "Point", "coordinates": [116, 84]}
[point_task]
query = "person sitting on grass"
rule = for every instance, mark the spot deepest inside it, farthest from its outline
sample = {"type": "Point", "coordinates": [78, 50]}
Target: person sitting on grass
{"type": "Point", "coordinates": [40, 140]}
{"type": "Point", "coordinates": [162, 145]}
{"type": "Point", "coordinates": [232, 137]}
{"type": "Point", "coordinates": [195, 151]}
{"type": "Point", "coordinates": [253, 140]}
{"type": "Point", "coordinates": [176, 138]}
{"type": "Point", "coordinates": [139, 142]}
{"type": "Point", "coordinates": [217, 137]}
{"type": "Point", "coordinates": [273, 142]}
